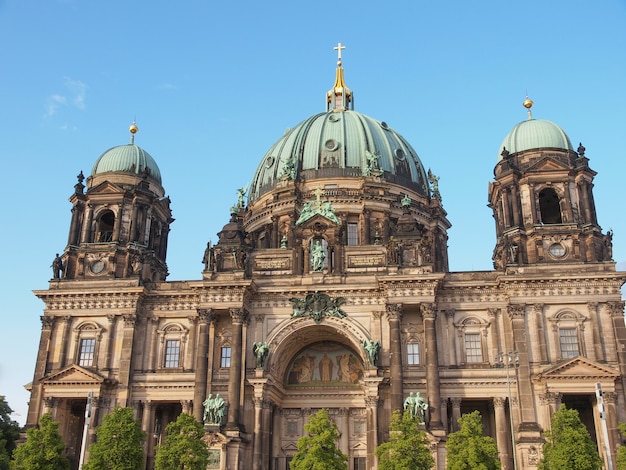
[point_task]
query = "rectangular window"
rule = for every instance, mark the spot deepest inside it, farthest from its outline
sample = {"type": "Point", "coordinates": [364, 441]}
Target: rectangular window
{"type": "Point", "coordinates": [225, 358]}
{"type": "Point", "coordinates": [569, 342]}
{"type": "Point", "coordinates": [353, 234]}
{"type": "Point", "coordinates": [359, 463]}
{"type": "Point", "coordinates": [413, 354]}
{"type": "Point", "coordinates": [172, 353]}
{"type": "Point", "coordinates": [87, 352]}
{"type": "Point", "coordinates": [473, 349]}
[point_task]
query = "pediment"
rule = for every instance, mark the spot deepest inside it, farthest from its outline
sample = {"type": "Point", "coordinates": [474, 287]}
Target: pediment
{"type": "Point", "coordinates": [290, 448]}
{"type": "Point", "coordinates": [74, 375]}
{"type": "Point", "coordinates": [578, 368]}
{"type": "Point", "coordinates": [359, 446]}
{"type": "Point", "coordinates": [548, 164]}
{"type": "Point", "coordinates": [316, 220]}
{"type": "Point", "coordinates": [106, 187]}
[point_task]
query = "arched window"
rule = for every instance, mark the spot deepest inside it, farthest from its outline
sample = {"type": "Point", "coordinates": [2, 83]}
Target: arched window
{"type": "Point", "coordinates": [106, 222]}
{"type": "Point", "coordinates": [549, 207]}
{"type": "Point", "coordinates": [568, 334]}
{"type": "Point", "coordinates": [173, 338]}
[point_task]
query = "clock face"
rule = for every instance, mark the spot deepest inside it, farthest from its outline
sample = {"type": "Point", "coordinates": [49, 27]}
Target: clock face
{"type": "Point", "coordinates": [557, 250]}
{"type": "Point", "coordinates": [97, 266]}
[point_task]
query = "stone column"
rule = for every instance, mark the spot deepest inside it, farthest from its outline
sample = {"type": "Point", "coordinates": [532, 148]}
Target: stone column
{"type": "Point", "coordinates": [126, 358]}
{"type": "Point", "coordinates": [541, 332]}
{"type": "Point", "coordinates": [451, 337]}
{"type": "Point", "coordinates": [616, 310]}
{"type": "Point", "coordinates": [202, 349]}
{"type": "Point", "coordinates": [108, 341]}
{"type": "Point", "coordinates": [65, 343]}
{"type": "Point", "coordinates": [516, 206]}
{"type": "Point", "coordinates": [372, 430]}
{"type": "Point", "coordinates": [394, 314]}
{"type": "Point", "coordinates": [610, 398]}
{"type": "Point", "coordinates": [238, 316]}
{"type": "Point", "coordinates": [153, 339]}
{"type": "Point", "coordinates": [40, 370]}
{"type": "Point", "coordinates": [528, 426]}
{"type": "Point", "coordinates": [495, 332]}
{"type": "Point", "coordinates": [257, 455]}
{"type": "Point", "coordinates": [86, 234]}
{"type": "Point", "coordinates": [432, 365]}
{"type": "Point", "coordinates": [503, 434]}
{"type": "Point", "coordinates": [596, 327]}
{"type": "Point", "coordinates": [456, 413]}
{"type": "Point", "coordinates": [147, 424]}
{"type": "Point", "coordinates": [95, 406]}
{"type": "Point", "coordinates": [189, 352]}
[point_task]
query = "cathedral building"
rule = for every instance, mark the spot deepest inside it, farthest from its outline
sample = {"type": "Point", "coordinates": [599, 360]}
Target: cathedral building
{"type": "Point", "coordinates": [329, 288]}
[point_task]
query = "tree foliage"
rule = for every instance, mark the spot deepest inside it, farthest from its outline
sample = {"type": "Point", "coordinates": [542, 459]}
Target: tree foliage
{"type": "Point", "coordinates": [118, 444]}
{"type": "Point", "coordinates": [9, 433]}
{"type": "Point", "coordinates": [568, 444]}
{"type": "Point", "coordinates": [183, 447]}
{"type": "Point", "coordinates": [469, 449]}
{"type": "Point", "coordinates": [407, 446]}
{"type": "Point", "coordinates": [318, 450]}
{"type": "Point", "coordinates": [43, 449]}
{"type": "Point", "coordinates": [620, 463]}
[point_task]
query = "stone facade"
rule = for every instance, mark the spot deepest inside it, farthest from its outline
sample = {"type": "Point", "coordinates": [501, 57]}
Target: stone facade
{"type": "Point", "coordinates": [545, 327]}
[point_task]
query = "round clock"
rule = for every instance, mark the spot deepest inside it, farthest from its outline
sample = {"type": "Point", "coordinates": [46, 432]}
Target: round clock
{"type": "Point", "coordinates": [557, 250]}
{"type": "Point", "coordinates": [97, 266]}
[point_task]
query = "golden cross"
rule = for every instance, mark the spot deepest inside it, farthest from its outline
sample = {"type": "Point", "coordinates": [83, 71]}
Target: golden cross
{"type": "Point", "coordinates": [318, 194]}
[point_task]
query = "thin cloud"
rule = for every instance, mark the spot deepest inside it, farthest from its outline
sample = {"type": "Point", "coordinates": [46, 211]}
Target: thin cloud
{"type": "Point", "coordinates": [76, 92]}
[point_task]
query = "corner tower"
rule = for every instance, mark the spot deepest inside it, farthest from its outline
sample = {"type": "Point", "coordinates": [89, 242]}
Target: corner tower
{"type": "Point", "coordinates": [120, 225]}
{"type": "Point", "coordinates": [542, 199]}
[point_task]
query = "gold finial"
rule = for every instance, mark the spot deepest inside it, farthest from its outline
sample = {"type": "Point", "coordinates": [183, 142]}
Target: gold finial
{"type": "Point", "coordinates": [133, 129]}
{"type": "Point", "coordinates": [339, 98]}
{"type": "Point", "coordinates": [528, 103]}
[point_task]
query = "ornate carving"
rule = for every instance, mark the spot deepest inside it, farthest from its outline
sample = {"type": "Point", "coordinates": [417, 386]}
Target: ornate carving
{"type": "Point", "coordinates": [205, 315]}
{"type": "Point", "coordinates": [499, 402]}
{"type": "Point", "coordinates": [129, 320]}
{"type": "Point", "coordinates": [47, 322]}
{"type": "Point", "coordinates": [394, 311]}
{"type": "Point", "coordinates": [428, 311]}
{"type": "Point", "coordinates": [238, 315]}
{"type": "Point", "coordinates": [317, 305]}
{"type": "Point", "coordinates": [616, 309]}
{"type": "Point", "coordinates": [516, 311]}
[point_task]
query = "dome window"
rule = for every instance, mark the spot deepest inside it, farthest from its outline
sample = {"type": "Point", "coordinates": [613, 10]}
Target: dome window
{"type": "Point", "coordinates": [334, 118]}
{"type": "Point", "coordinates": [106, 223]}
{"type": "Point", "coordinates": [399, 154]}
{"type": "Point", "coordinates": [549, 206]}
{"type": "Point", "coordinates": [384, 125]}
{"type": "Point", "coordinates": [269, 161]}
{"type": "Point", "coordinates": [331, 145]}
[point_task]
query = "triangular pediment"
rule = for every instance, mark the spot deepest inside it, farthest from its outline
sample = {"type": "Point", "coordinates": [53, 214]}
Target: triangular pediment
{"type": "Point", "coordinates": [318, 219]}
{"type": "Point", "coordinates": [547, 164]}
{"type": "Point", "coordinates": [578, 368]}
{"type": "Point", "coordinates": [74, 375]}
{"type": "Point", "coordinates": [106, 187]}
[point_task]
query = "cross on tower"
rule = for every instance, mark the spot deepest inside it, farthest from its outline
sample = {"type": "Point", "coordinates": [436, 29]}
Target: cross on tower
{"type": "Point", "coordinates": [318, 195]}
{"type": "Point", "coordinates": [339, 48]}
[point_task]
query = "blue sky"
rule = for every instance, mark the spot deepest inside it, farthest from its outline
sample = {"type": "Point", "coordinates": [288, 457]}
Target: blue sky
{"type": "Point", "coordinates": [213, 84]}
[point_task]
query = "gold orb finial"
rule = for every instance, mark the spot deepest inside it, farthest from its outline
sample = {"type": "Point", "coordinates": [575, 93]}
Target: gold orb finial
{"type": "Point", "coordinates": [528, 103]}
{"type": "Point", "coordinates": [133, 129]}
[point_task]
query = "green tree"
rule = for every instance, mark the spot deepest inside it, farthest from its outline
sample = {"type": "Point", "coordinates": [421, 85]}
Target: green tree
{"type": "Point", "coordinates": [43, 449]}
{"type": "Point", "coordinates": [620, 463]}
{"type": "Point", "coordinates": [9, 433]}
{"type": "Point", "coordinates": [318, 450]}
{"type": "Point", "coordinates": [568, 444]}
{"type": "Point", "coordinates": [183, 447]}
{"type": "Point", "coordinates": [118, 443]}
{"type": "Point", "coordinates": [468, 449]}
{"type": "Point", "coordinates": [407, 446]}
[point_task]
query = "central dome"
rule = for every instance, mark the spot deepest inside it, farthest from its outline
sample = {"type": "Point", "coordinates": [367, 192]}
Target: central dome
{"type": "Point", "coordinates": [343, 144]}
{"type": "Point", "coordinates": [128, 158]}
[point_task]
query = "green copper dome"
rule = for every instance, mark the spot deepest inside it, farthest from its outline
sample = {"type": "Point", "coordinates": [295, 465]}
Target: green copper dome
{"type": "Point", "coordinates": [534, 134]}
{"type": "Point", "coordinates": [127, 159]}
{"type": "Point", "coordinates": [342, 144]}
